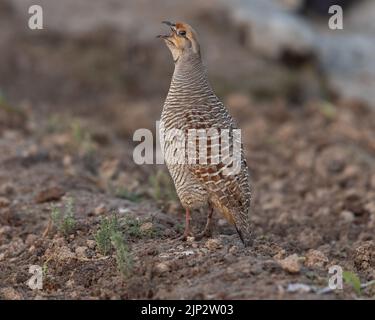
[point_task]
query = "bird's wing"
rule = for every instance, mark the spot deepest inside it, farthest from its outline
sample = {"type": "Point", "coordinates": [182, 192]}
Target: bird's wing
{"type": "Point", "coordinates": [227, 186]}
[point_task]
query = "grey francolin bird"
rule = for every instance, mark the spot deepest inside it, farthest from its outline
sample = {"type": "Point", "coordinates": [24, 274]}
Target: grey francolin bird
{"type": "Point", "coordinates": [192, 106]}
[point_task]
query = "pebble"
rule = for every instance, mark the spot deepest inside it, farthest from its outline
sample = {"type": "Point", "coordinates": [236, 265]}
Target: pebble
{"type": "Point", "coordinates": [212, 244]}
{"type": "Point", "coordinates": [64, 254]}
{"type": "Point", "coordinates": [91, 244]}
{"type": "Point", "coordinates": [9, 293]}
{"type": "Point", "coordinates": [315, 259]}
{"type": "Point", "coordinates": [4, 202]}
{"type": "Point", "coordinates": [222, 222]}
{"type": "Point", "coordinates": [99, 210]}
{"type": "Point", "coordinates": [81, 252]}
{"type": "Point", "coordinates": [291, 263]}
{"type": "Point", "coordinates": [145, 227]}
{"type": "Point", "coordinates": [49, 194]}
{"type": "Point", "coordinates": [7, 188]}
{"type": "Point", "coordinates": [30, 239]}
{"type": "Point", "coordinates": [161, 267]}
{"type": "Point", "coordinates": [347, 216]}
{"type": "Point", "coordinates": [233, 249]}
{"type": "Point", "coordinates": [5, 230]}
{"type": "Point", "coordinates": [370, 207]}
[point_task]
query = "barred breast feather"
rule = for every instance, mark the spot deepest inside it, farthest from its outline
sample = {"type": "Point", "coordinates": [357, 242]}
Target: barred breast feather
{"type": "Point", "coordinates": [192, 104]}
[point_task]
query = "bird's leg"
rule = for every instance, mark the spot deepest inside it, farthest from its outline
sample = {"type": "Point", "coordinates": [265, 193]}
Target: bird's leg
{"type": "Point", "coordinates": [187, 226]}
{"type": "Point", "coordinates": [207, 232]}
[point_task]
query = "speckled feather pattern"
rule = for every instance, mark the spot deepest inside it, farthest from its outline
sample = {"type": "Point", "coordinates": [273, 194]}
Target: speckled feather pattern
{"type": "Point", "coordinates": [192, 104]}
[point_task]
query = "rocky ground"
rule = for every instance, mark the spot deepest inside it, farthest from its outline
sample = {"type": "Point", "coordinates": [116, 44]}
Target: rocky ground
{"type": "Point", "coordinates": [73, 202]}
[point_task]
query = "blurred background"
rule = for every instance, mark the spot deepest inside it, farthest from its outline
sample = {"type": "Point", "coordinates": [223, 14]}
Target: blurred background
{"type": "Point", "coordinates": [72, 95]}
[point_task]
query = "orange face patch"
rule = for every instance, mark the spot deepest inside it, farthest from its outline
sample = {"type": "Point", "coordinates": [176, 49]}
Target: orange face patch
{"type": "Point", "coordinates": [180, 25]}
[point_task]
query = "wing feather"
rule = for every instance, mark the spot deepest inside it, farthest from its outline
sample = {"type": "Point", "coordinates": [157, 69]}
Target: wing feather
{"type": "Point", "coordinates": [229, 193]}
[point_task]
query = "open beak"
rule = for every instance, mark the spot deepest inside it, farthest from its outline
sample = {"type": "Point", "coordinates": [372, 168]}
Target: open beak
{"type": "Point", "coordinates": [173, 29]}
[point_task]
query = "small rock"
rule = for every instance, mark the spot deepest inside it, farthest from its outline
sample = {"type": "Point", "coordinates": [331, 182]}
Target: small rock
{"type": "Point", "coordinates": [7, 189]}
{"type": "Point", "coordinates": [291, 263]}
{"type": "Point", "coordinates": [108, 169]}
{"type": "Point", "coordinates": [212, 244]}
{"type": "Point", "coordinates": [4, 202]}
{"type": "Point", "coordinates": [65, 254]}
{"type": "Point", "coordinates": [233, 249]}
{"type": "Point", "coordinates": [91, 244]}
{"type": "Point", "coordinates": [161, 267]}
{"type": "Point", "coordinates": [370, 207]}
{"type": "Point", "coordinates": [81, 252]}
{"type": "Point", "coordinates": [70, 284]}
{"type": "Point", "coordinates": [146, 227]}
{"type": "Point", "coordinates": [5, 230]}
{"type": "Point", "coordinates": [67, 161]}
{"type": "Point", "coordinates": [16, 246]}
{"type": "Point", "coordinates": [222, 222]}
{"type": "Point", "coordinates": [2, 256]}
{"type": "Point", "coordinates": [9, 293]}
{"type": "Point", "coordinates": [280, 255]}
{"type": "Point", "coordinates": [364, 257]}
{"type": "Point", "coordinates": [298, 287]}
{"type": "Point", "coordinates": [30, 239]}
{"type": "Point", "coordinates": [315, 259]}
{"type": "Point", "coordinates": [350, 171]}
{"type": "Point", "coordinates": [49, 194]}
{"type": "Point", "coordinates": [347, 216]}
{"type": "Point", "coordinates": [100, 210]}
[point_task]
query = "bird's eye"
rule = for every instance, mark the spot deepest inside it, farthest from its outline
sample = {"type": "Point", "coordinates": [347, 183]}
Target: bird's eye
{"type": "Point", "coordinates": [182, 33]}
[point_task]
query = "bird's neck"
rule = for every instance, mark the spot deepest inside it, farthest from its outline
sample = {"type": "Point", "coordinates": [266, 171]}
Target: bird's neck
{"type": "Point", "coordinates": [190, 78]}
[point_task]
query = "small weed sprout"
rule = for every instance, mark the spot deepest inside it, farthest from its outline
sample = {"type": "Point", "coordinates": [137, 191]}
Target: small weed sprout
{"type": "Point", "coordinates": [45, 269]}
{"type": "Point", "coordinates": [162, 189]}
{"type": "Point", "coordinates": [133, 227]}
{"type": "Point", "coordinates": [82, 138]}
{"type": "Point", "coordinates": [108, 227]}
{"type": "Point", "coordinates": [64, 221]}
{"type": "Point", "coordinates": [124, 193]}
{"type": "Point", "coordinates": [353, 280]}
{"type": "Point", "coordinates": [123, 257]}
{"type": "Point", "coordinates": [110, 236]}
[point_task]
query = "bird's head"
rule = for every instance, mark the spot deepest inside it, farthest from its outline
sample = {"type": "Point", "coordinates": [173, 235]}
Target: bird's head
{"type": "Point", "coordinates": [181, 41]}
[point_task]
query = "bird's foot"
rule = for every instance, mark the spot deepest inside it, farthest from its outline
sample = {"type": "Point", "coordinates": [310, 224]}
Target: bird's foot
{"type": "Point", "coordinates": [184, 236]}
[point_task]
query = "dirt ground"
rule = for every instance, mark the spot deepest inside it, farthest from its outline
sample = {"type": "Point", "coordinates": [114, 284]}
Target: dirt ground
{"type": "Point", "coordinates": [66, 147]}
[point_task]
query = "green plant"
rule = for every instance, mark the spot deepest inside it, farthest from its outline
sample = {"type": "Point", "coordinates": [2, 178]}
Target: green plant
{"type": "Point", "coordinates": [328, 110]}
{"type": "Point", "coordinates": [124, 193]}
{"type": "Point", "coordinates": [133, 227]}
{"type": "Point", "coordinates": [179, 227]}
{"type": "Point", "coordinates": [353, 280]}
{"type": "Point", "coordinates": [45, 268]}
{"type": "Point", "coordinates": [64, 221]}
{"type": "Point", "coordinates": [123, 256]}
{"type": "Point", "coordinates": [162, 188]}
{"type": "Point", "coordinates": [110, 236]}
{"type": "Point", "coordinates": [82, 138]}
{"type": "Point", "coordinates": [108, 227]}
